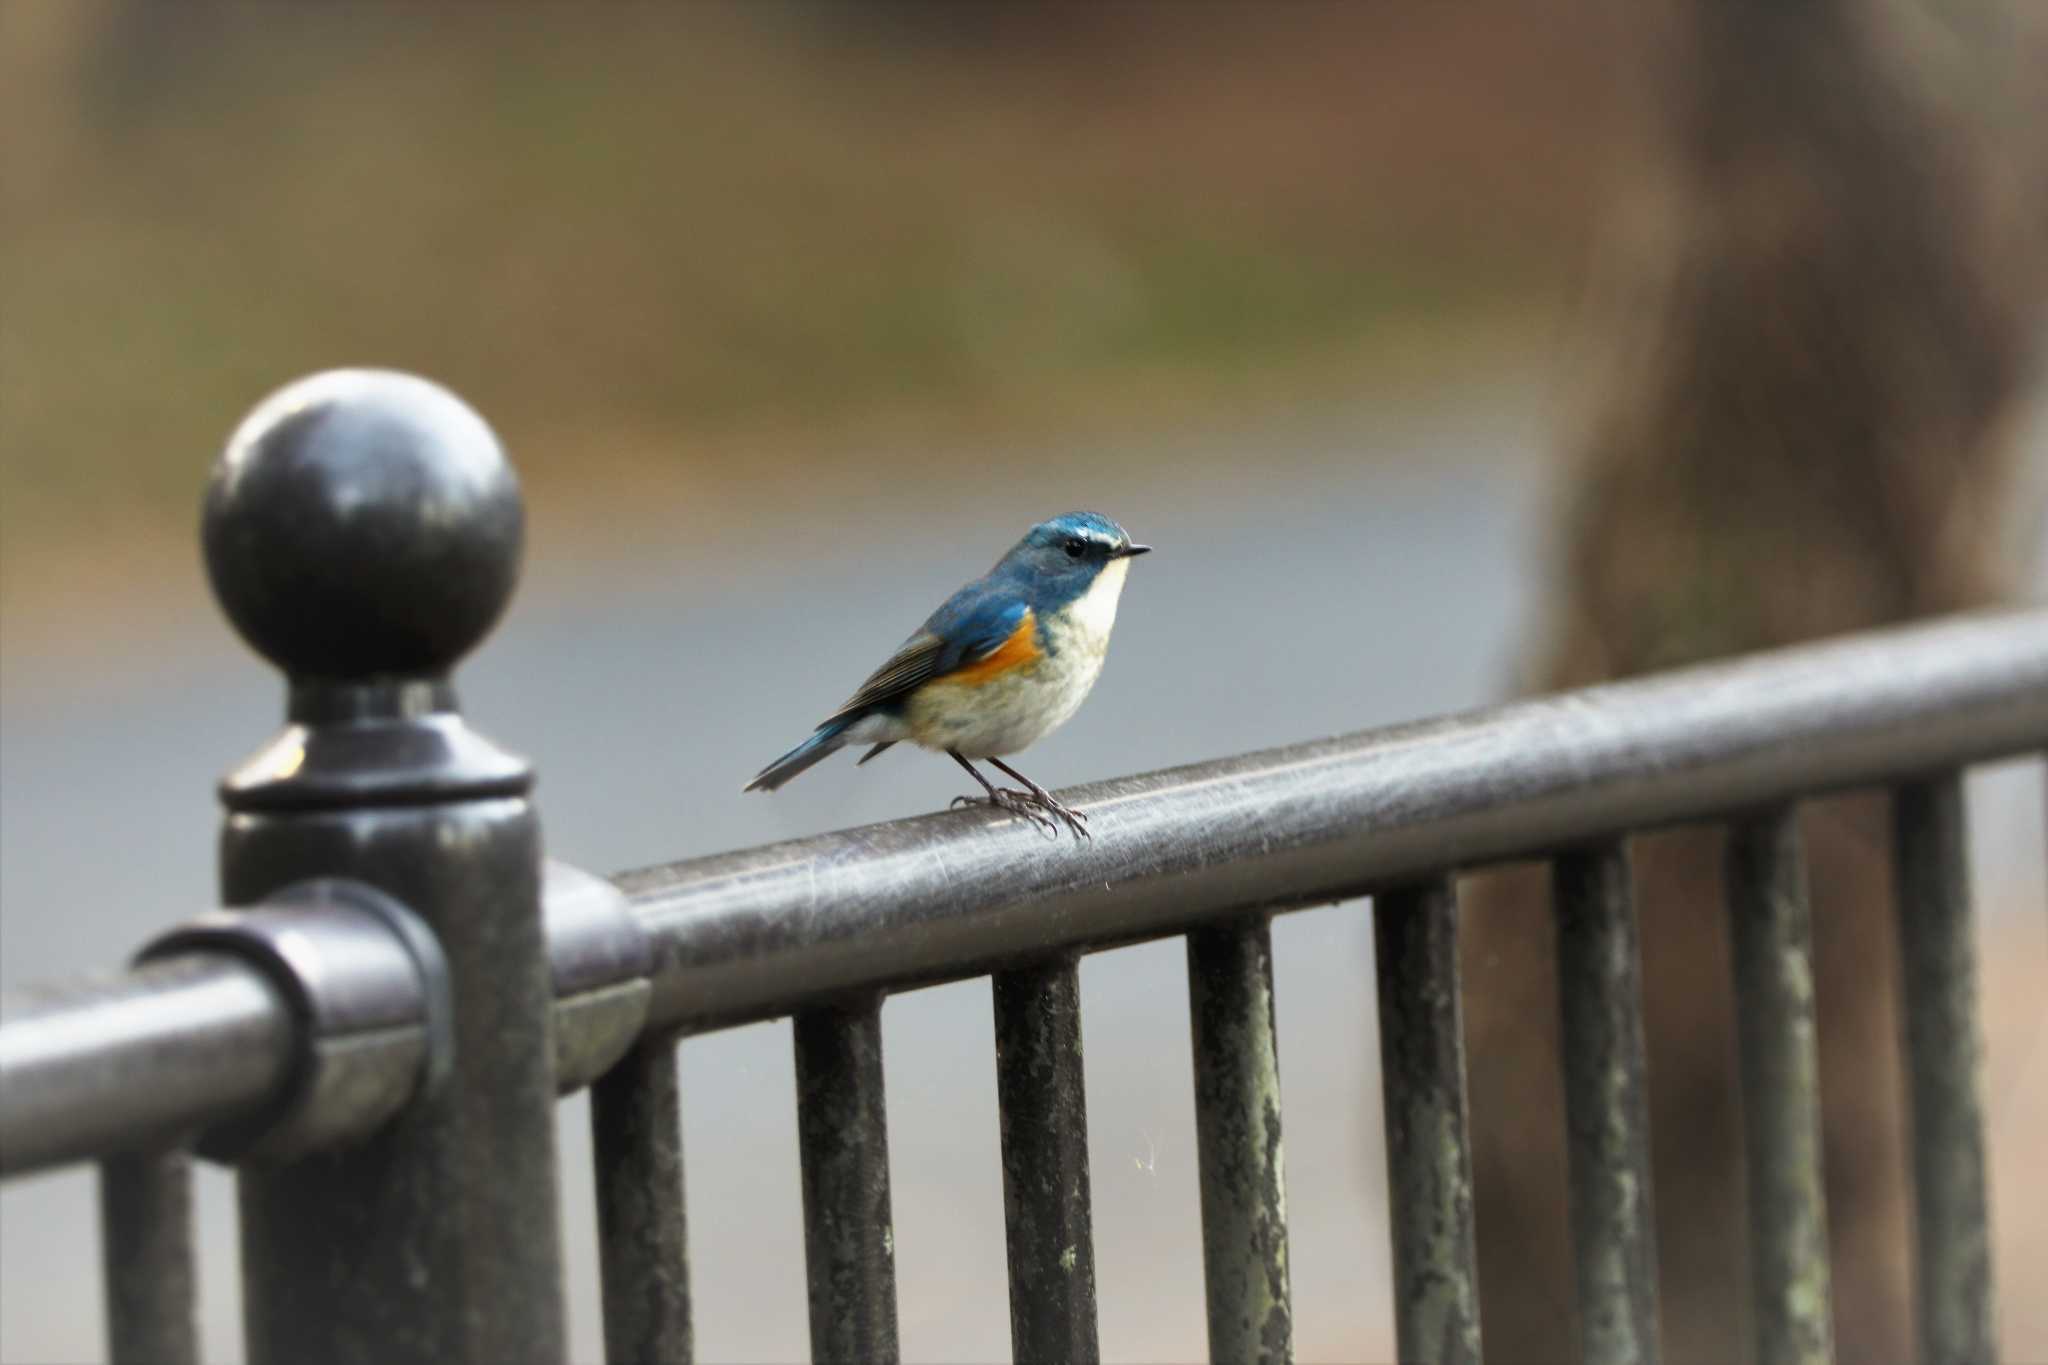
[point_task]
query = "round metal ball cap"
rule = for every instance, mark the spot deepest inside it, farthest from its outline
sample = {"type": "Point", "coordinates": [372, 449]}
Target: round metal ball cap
{"type": "Point", "coordinates": [363, 523]}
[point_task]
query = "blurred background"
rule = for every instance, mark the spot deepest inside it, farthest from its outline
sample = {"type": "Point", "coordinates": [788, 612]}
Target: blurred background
{"type": "Point", "coordinates": [1445, 353]}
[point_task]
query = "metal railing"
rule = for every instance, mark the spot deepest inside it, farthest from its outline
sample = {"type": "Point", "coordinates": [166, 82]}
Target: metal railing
{"type": "Point", "coordinates": [375, 1034]}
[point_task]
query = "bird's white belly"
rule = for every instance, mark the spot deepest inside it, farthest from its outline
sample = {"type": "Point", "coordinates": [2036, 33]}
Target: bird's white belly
{"type": "Point", "coordinates": [1004, 714]}
{"type": "Point", "coordinates": [1019, 708]}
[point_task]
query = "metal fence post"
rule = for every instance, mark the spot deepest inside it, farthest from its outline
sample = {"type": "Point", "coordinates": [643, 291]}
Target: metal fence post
{"type": "Point", "coordinates": [1771, 929]}
{"type": "Point", "coordinates": [842, 1124]}
{"type": "Point", "coordinates": [1607, 1104]}
{"type": "Point", "coordinates": [1428, 1122]}
{"type": "Point", "coordinates": [1237, 1142]}
{"type": "Point", "coordinates": [636, 1126]}
{"type": "Point", "coordinates": [146, 1249]}
{"type": "Point", "coordinates": [362, 531]}
{"type": "Point", "coordinates": [1047, 1210]}
{"type": "Point", "coordinates": [1944, 1073]}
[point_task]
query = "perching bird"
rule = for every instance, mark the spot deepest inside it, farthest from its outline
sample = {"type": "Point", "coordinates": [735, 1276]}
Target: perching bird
{"type": "Point", "coordinates": [1003, 663]}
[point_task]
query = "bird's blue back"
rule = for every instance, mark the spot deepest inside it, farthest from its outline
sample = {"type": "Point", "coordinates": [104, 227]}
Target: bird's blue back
{"type": "Point", "coordinates": [975, 620]}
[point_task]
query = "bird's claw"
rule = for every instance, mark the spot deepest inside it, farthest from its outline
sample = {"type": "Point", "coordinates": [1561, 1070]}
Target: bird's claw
{"type": "Point", "coordinates": [1075, 820]}
{"type": "Point", "coordinates": [1041, 811]}
{"type": "Point", "coordinates": [1008, 801]}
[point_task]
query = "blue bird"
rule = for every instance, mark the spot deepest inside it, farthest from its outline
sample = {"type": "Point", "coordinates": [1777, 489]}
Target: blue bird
{"type": "Point", "coordinates": [1008, 659]}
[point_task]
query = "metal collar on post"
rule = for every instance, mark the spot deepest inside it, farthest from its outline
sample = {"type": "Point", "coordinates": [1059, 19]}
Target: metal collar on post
{"type": "Point", "coordinates": [368, 990]}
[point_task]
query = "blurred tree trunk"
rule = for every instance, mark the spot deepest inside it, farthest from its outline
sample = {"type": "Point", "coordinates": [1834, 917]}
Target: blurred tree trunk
{"type": "Point", "coordinates": [1818, 313]}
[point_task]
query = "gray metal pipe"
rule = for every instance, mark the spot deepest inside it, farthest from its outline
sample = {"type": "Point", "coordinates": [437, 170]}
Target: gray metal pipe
{"type": "Point", "coordinates": [140, 1061]}
{"type": "Point", "coordinates": [767, 931]}
{"type": "Point", "coordinates": [742, 936]}
{"type": "Point", "coordinates": [203, 1040]}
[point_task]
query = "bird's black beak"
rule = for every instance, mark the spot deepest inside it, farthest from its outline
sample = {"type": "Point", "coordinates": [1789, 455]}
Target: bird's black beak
{"type": "Point", "coordinates": [1129, 551]}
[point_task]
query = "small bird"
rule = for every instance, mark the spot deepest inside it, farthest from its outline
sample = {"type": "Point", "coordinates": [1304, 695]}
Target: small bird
{"type": "Point", "coordinates": [1001, 665]}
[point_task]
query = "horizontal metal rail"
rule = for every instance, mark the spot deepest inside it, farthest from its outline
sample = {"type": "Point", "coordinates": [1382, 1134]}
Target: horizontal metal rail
{"type": "Point", "coordinates": [778, 929]}
{"type": "Point", "coordinates": [755, 934]}
{"type": "Point", "coordinates": [144, 1060]}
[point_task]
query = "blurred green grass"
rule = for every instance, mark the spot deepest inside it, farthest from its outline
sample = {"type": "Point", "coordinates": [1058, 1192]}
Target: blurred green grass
{"type": "Point", "coordinates": [697, 223]}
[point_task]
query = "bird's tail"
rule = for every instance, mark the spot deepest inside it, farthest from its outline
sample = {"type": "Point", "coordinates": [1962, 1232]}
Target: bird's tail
{"type": "Point", "coordinates": [827, 740]}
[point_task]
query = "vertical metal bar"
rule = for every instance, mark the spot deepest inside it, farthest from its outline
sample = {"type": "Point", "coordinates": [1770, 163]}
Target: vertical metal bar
{"type": "Point", "coordinates": [1045, 1163]}
{"type": "Point", "coordinates": [1237, 1138]}
{"type": "Point", "coordinates": [843, 1134]}
{"type": "Point", "coordinates": [1607, 1107]}
{"type": "Point", "coordinates": [437, 1240]}
{"type": "Point", "coordinates": [146, 1251]}
{"type": "Point", "coordinates": [1944, 1061]}
{"type": "Point", "coordinates": [1772, 935]}
{"type": "Point", "coordinates": [1429, 1161]}
{"type": "Point", "coordinates": [438, 1237]}
{"type": "Point", "coordinates": [636, 1126]}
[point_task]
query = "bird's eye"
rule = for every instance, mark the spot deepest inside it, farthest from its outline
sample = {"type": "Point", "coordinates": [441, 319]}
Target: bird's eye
{"type": "Point", "coordinates": [1073, 548]}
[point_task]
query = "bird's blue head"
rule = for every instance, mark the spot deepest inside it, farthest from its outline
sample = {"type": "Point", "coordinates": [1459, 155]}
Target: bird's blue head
{"type": "Point", "coordinates": [1061, 559]}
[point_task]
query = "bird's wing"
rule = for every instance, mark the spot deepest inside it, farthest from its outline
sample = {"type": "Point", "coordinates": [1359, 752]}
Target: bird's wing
{"type": "Point", "coordinates": [907, 667]}
{"type": "Point", "coordinates": [973, 624]}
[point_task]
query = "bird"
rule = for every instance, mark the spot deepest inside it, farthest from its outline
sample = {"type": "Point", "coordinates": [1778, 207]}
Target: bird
{"type": "Point", "coordinates": [1003, 663]}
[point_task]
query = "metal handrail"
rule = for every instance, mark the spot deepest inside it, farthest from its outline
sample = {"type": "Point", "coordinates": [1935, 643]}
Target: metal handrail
{"type": "Point", "coordinates": [770, 931]}
{"type": "Point", "coordinates": [139, 1060]}
{"type": "Point", "coordinates": [748, 935]}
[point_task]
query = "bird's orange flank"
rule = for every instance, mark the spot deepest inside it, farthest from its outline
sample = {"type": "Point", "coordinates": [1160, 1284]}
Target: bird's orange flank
{"type": "Point", "coordinates": [1018, 651]}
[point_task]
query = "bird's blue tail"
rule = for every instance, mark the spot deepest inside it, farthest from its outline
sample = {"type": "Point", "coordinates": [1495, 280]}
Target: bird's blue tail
{"type": "Point", "coordinates": [828, 739]}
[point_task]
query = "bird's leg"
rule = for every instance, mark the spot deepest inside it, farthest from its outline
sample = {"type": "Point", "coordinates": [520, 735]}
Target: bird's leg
{"type": "Point", "coordinates": [1014, 802]}
{"type": "Point", "coordinates": [1075, 820]}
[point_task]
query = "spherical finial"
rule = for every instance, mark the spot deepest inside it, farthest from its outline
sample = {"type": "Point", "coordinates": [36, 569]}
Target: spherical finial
{"type": "Point", "coordinates": [363, 523]}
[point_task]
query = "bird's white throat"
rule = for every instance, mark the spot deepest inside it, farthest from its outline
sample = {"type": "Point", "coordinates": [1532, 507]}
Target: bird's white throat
{"type": "Point", "coordinates": [1094, 611]}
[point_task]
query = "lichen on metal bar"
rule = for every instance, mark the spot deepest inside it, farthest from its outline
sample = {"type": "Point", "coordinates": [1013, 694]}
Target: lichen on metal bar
{"type": "Point", "coordinates": [1046, 1204]}
{"type": "Point", "coordinates": [1607, 1108]}
{"type": "Point", "coordinates": [1429, 1159]}
{"type": "Point", "coordinates": [1944, 1073]}
{"type": "Point", "coordinates": [1771, 936]}
{"type": "Point", "coordinates": [1237, 1133]}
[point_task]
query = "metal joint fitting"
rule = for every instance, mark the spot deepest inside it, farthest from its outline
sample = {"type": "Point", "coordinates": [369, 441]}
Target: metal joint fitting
{"type": "Point", "coordinates": [600, 959]}
{"type": "Point", "coordinates": [369, 994]}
